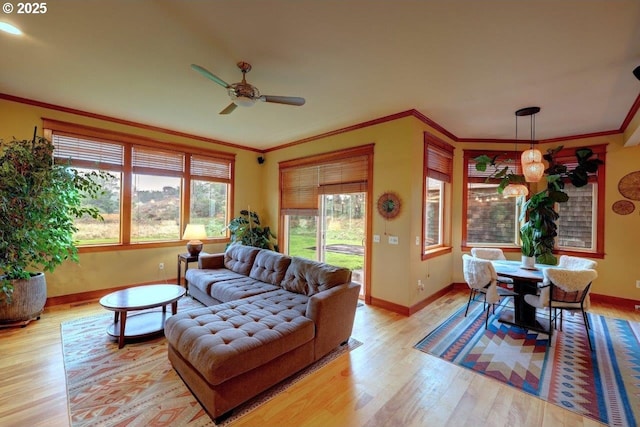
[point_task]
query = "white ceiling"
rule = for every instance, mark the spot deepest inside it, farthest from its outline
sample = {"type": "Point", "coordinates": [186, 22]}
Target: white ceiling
{"type": "Point", "coordinates": [467, 65]}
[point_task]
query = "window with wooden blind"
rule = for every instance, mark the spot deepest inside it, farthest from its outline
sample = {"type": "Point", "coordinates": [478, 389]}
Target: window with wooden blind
{"type": "Point", "coordinates": [323, 202]}
{"type": "Point", "coordinates": [210, 183]}
{"type": "Point", "coordinates": [302, 181]}
{"type": "Point", "coordinates": [581, 221]}
{"type": "Point", "coordinates": [156, 188]}
{"type": "Point", "coordinates": [88, 156]}
{"type": "Point", "coordinates": [437, 178]}
{"type": "Point", "coordinates": [490, 219]}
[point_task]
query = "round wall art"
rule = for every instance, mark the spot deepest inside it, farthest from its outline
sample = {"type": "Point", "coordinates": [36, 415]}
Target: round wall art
{"type": "Point", "coordinates": [629, 185]}
{"type": "Point", "coordinates": [623, 207]}
{"type": "Point", "coordinates": [389, 205]}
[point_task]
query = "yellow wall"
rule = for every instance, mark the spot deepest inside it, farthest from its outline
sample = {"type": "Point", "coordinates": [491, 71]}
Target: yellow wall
{"type": "Point", "coordinates": [397, 167]}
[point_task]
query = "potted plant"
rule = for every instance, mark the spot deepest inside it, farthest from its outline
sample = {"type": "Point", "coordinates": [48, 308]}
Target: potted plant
{"type": "Point", "coordinates": [539, 210]}
{"type": "Point", "coordinates": [527, 246]}
{"type": "Point", "coordinates": [39, 201]}
{"type": "Point", "coordinates": [247, 230]}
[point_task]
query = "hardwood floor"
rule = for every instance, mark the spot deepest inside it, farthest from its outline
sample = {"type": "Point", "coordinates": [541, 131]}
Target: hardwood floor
{"type": "Point", "coordinates": [384, 382]}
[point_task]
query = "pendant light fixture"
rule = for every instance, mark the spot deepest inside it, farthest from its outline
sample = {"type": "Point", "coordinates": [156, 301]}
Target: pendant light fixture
{"type": "Point", "coordinates": [515, 190]}
{"type": "Point", "coordinates": [531, 159]}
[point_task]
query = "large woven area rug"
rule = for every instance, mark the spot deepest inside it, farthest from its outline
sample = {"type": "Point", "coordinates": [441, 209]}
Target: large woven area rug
{"type": "Point", "coordinates": [136, 385]}
{"type": "Point", "coordinates": [603, 384]}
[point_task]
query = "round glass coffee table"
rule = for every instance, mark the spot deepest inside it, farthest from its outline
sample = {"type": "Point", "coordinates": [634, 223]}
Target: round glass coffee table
{"type": "Point", "coordinates": [140, 298]}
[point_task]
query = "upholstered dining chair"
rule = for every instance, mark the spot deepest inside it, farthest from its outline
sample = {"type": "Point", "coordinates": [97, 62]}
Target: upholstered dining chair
{"type": "Point", "coordinates": [481, 277]}
{"type": "Point", "coordinates": [566, 288]}
{"type": "Point", "coordinates": [493, 254]}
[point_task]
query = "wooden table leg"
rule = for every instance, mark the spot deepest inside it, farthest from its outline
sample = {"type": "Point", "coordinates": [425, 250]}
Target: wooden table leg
{"type": "Point", "coordinates": [123, 322]}
{"type": "Point", "coordinates": [174, 307]}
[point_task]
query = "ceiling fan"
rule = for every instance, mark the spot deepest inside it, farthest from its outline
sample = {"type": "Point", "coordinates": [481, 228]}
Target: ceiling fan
{"type": "Point", "coordinates": [243, 93]}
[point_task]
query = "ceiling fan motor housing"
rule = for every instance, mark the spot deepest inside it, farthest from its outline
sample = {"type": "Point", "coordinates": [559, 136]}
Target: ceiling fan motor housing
{"type": "Point", "coordinates": [243, 94]}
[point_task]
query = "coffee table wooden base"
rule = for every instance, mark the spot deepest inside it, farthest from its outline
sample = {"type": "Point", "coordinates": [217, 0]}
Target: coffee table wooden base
{"type": "Point", "coordinates": [139, 325]}
{"type": "Point", "coordinates": [138, 298]}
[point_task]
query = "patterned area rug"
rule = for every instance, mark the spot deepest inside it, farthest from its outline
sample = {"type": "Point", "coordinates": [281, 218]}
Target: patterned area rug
{"type": "Point", "coordinates": [603, 384]}
{"type": "Point", "coordinates": [136, 385]}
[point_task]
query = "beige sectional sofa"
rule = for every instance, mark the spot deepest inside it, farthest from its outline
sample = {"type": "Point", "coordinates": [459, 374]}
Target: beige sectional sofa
{"type": "Point", "coordinates": [268, 316]}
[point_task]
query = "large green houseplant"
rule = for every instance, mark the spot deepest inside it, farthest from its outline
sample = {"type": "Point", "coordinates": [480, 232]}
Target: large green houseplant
{"type": "Point", "coordinates": [39, 201]}
{"type": "Point", "coordinates": [538, 212]}
{"type": "Point", "coordinates": [247, 230]}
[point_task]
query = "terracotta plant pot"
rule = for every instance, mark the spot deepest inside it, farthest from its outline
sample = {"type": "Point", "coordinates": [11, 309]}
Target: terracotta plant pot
{"type": "Point", "coordinates": [28, 300]}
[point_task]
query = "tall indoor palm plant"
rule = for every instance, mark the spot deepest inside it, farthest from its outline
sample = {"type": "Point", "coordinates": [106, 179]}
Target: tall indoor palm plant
{"type": "Point", "coordinates": [39, 201]}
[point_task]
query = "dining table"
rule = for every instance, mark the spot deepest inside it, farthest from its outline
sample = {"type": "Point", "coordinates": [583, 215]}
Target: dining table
{"type": "Point", "coordinates": [525, 281]}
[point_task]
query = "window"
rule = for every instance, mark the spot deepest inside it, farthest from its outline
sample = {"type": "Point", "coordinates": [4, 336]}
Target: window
{"type": "Point", "coordinates": [581, 222]}
{"type": "Point", "coordinates": [490, 219]}
{"type": "Point", "coordinates": [155, 188]}
{"type": "Point", "coordinates": [437, 173]}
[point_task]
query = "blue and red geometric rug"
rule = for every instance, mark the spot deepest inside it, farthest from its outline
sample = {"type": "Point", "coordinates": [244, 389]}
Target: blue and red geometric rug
{"type": "Point", "coordinates": [603, 384]}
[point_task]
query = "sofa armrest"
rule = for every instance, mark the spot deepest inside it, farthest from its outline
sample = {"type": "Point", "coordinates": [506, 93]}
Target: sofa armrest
{"type": "Point", "coordinates": [211, 261]}
{"type": "Point", "coordinates": [333, 311]}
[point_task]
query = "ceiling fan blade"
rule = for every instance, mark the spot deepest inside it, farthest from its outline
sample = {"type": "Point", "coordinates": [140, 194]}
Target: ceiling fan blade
{"type": "Point", "coordinates": [289, 100]}
{"type": "Point", "coordinates": [208, 74]}
{"type": "Point", "coordinates": [229, 109]}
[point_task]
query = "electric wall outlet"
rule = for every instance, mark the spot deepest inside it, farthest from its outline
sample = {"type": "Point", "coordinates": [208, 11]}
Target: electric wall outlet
{"type": "Point", "coordinates": [417, 240]}
{"type": "Point", "coordinates": [161, 266]}
{"type": "Point", "coordinates": [637, 283]}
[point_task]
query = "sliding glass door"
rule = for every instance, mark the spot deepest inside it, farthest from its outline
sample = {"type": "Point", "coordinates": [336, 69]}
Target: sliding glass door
{"type": "Point", "coordinates": [335, 236]}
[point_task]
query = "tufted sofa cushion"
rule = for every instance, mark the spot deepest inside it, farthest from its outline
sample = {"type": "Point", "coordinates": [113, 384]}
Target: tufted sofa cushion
{"type": "Point", "coordinates": [270, 267]}
{"type": "Point", "coordinates": [283, 298]}
{"type": "Point", "coordinates": [310, 277]}
{"type": "Point", "coordinates": [226, 340]}
{"type": "Point", "coordinates": [240, 258]}
{"type": "Point", "coordinates": [205, 279]}
{"type": "Point", "coordinates": [241, 287]}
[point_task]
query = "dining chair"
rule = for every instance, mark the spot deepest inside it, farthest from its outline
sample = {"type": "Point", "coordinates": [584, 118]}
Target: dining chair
{"type": "Point", "coordinates": [493, 254]}
{"type": "Point", "coordinates": [481, 277]}
{"type": "Point", "coordinates": [566, 288]}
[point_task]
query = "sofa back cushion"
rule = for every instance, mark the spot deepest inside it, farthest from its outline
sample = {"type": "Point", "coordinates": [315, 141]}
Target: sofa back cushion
{"type": "Point", "coordinates": [269, 267]}
{"type": "Point", "coordinates": [240, 258]}
{"type": "Point", "coordinates": [310, 277]}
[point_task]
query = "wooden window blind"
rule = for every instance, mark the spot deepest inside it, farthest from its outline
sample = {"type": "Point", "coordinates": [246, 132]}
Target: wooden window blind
{"type": "Point", "coordinates": [83, 152]}
{"type": "Point", "coordinates": [438, 158]}
{"type": "Point", "coordinates": [153, 161]}
{"type": "Point", "coordinates": [510, 159]}
{"type": "Point", "coordinates": [301, 182]}
{"type": "Point", "coordinates": [211, 168]}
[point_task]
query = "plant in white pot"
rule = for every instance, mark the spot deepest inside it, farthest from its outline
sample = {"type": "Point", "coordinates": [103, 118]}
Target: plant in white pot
{"type": "Point", "coordinates": [527, 245]}
{"type": "Point", "coordinates": [39, 201]}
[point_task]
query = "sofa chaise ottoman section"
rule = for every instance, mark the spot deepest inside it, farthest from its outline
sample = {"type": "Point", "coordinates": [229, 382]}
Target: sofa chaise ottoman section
{"type": "Point", "coordinates": [219, 348]}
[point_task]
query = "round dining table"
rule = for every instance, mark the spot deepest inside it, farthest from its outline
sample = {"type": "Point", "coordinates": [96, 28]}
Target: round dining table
{"type": "Point", "coordinates": [525, 281]}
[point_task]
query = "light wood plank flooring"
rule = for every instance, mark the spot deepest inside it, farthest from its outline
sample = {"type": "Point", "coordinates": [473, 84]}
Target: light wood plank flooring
{"type": "Point", "coordinates": [384, 382]}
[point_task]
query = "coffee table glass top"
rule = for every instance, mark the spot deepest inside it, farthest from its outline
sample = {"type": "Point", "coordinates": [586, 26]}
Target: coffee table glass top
{"type": "Point", "coordinates": [141, 297]}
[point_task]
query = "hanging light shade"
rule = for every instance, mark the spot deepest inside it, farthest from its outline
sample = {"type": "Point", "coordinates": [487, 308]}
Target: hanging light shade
{"type": "Point", "coordinates": [532, 171]}
{"type": "Point", "coordinates": [531, 159]}
{"type": "Point", "coordinates": [515, 190]}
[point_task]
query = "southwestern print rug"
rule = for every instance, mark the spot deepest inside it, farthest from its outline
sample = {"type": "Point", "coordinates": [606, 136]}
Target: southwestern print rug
{"type": "Point", "coordinates": [136, 385]}
{"type": "Point", "coordinates": [603, 384]}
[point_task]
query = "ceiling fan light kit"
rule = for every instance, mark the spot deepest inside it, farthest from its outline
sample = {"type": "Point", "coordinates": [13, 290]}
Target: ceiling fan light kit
{"type": "Point", "coordinates": [244, 94]}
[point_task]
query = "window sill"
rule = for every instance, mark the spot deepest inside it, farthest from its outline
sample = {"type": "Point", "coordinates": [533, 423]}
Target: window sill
{"type": "Point", "coordinates": [135, 246]}
{"type": "Point", "coordinates": [436, 252]}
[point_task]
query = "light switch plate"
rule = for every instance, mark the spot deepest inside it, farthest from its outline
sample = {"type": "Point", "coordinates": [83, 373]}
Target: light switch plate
{"type": "Point", "coordinates": [376, 238]}
{"type": "Point", "coordinates": [393, 240]}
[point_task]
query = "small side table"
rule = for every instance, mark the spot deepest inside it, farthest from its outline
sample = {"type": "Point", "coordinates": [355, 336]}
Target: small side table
{"type": "Point", "coordinates": [186, 258]}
